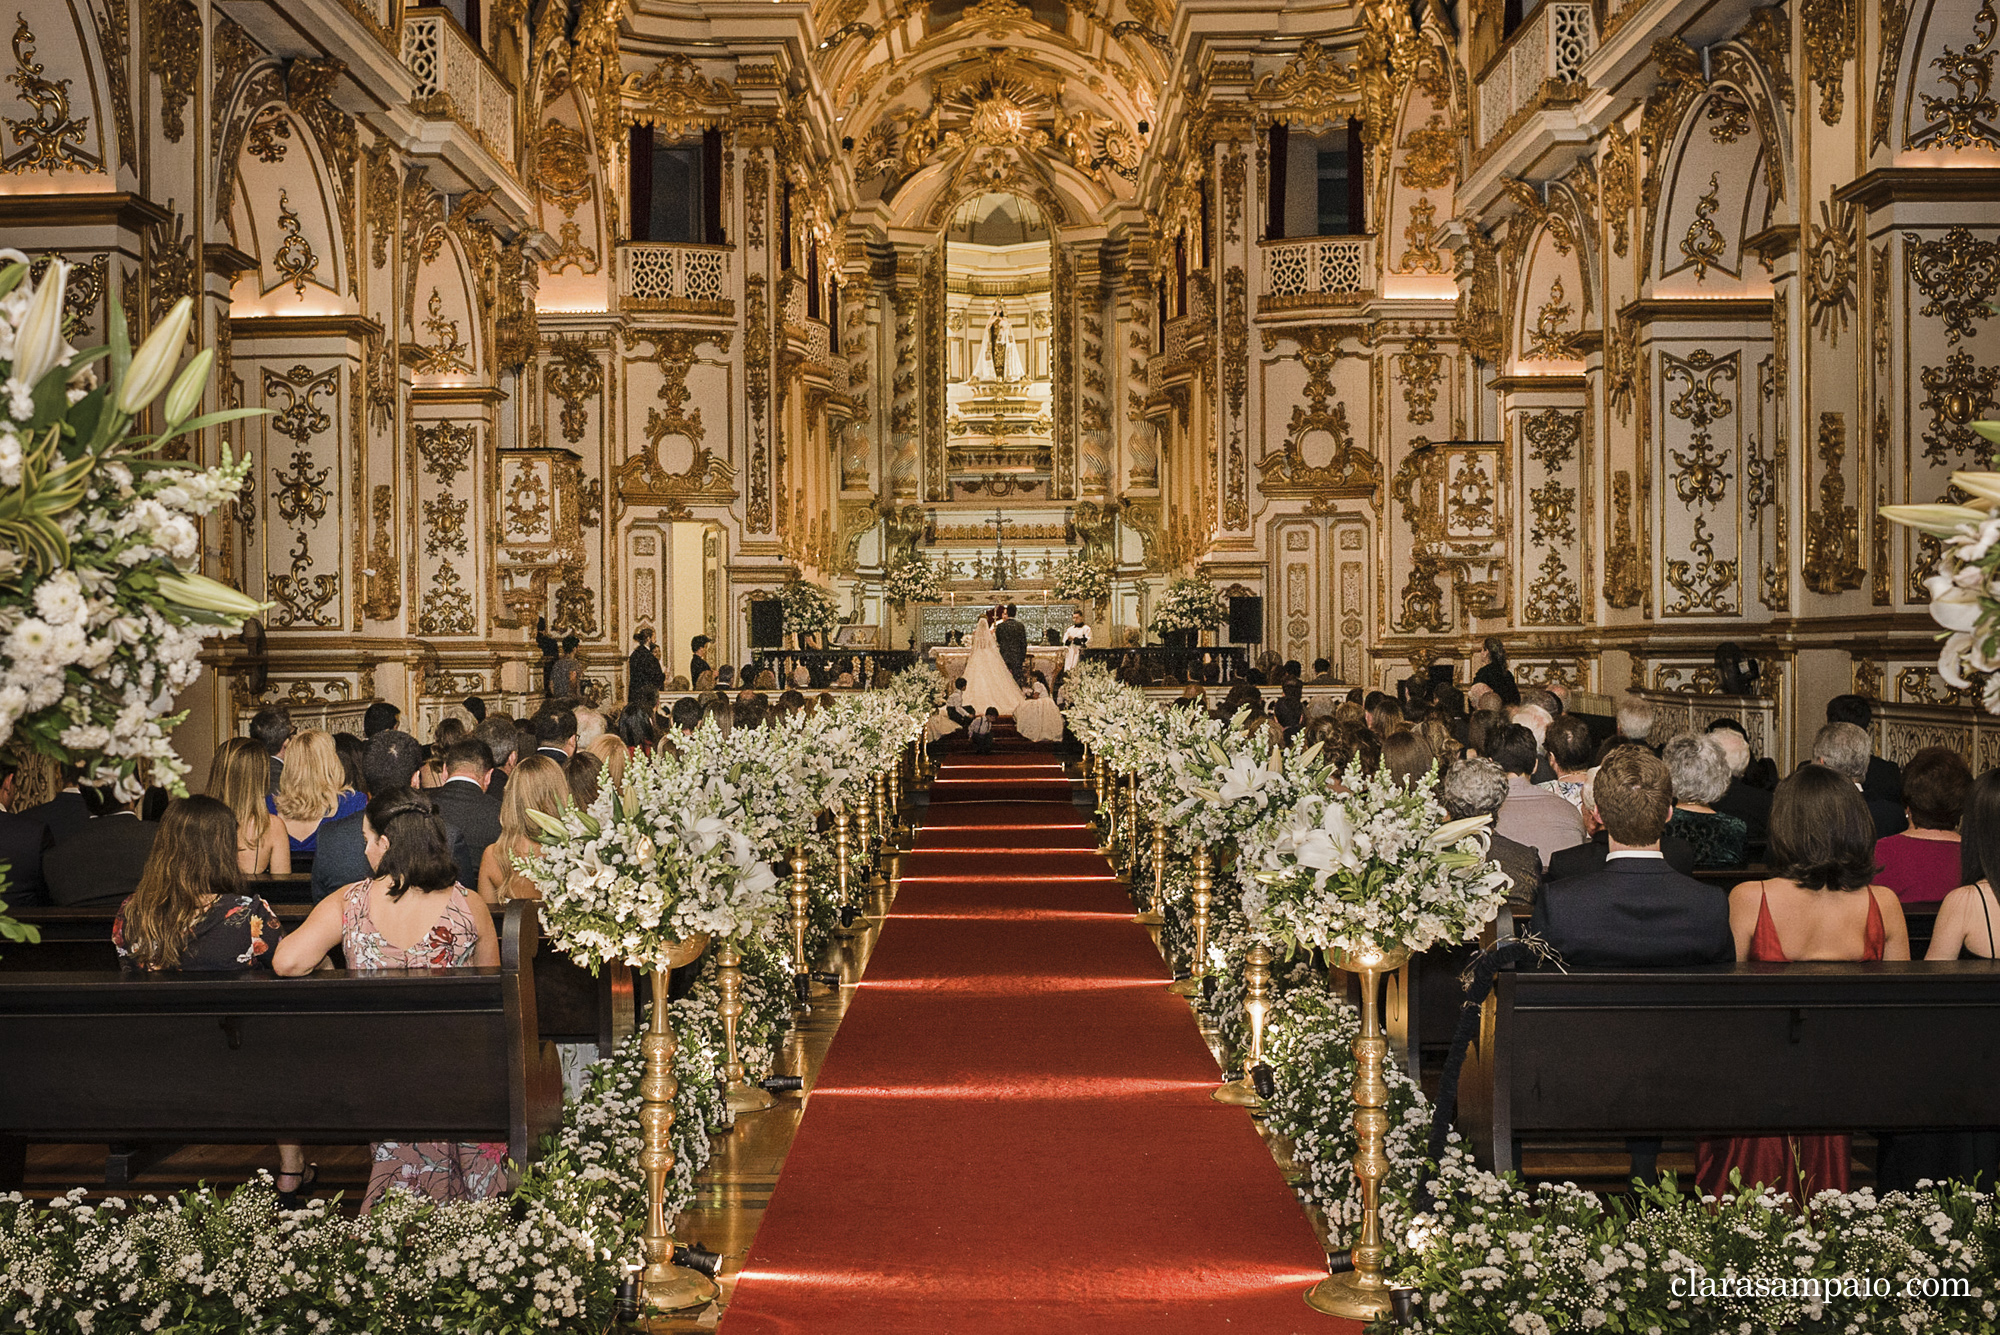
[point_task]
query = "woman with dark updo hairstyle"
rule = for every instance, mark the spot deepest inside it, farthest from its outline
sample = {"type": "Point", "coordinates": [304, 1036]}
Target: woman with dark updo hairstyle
{"type": "Point", "coordinates": [411, 914]}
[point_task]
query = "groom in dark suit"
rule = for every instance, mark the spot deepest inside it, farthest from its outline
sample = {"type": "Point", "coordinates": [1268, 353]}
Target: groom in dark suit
{"type": "Point", "coordinates": [1011, 638]}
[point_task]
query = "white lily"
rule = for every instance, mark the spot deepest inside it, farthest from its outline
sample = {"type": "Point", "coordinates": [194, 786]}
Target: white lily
{"type": "Point", "coordinates": [185, 396]}
{"type": "Point", "coordinates": [153, 364]}
{"type": "Point", "coordinates": [1953, 606]}
{"type": "Point", "coordinates": [1940, 521]}
{"type": "Point", "coordinates": [39, 344]}
{"type": "Point", "coordinates": [1450, 833]}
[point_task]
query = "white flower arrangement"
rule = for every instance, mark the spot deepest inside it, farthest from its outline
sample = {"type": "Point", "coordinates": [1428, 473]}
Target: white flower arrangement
{"type": "Point", "coordinates": [1219, 782]}
{"type": "Point", "coordinates": [668, 856]}
{"type": "Point", "coordinates": [1190, 603]}
{"type": "Point", "coordinates": [1965, 591]}
{"type": "Point", "coordinates": [809, 609]}
{"type": "Point", "coordinates": [1079, 577]}
{"type": "Point", "coordinates": [1379, 867]}
{"type": "Point", "coordinates": [101, 621]}
{"type": "Point", "coordinates": [911, 578]}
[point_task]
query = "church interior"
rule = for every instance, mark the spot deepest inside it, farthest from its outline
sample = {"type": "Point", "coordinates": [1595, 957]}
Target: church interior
{"type": "Point", "coordinates": [1404, 337]}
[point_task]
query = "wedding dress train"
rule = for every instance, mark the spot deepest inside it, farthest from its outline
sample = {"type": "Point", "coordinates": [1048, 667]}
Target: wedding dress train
{"type": "Point", "coordinates": [1038, 719]}
{"type": "Point", "coordinates": [988, 682]}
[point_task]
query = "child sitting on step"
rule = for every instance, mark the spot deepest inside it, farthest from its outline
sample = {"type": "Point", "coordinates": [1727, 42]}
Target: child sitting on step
{"type": "Point", "coordinates": [981, 731]}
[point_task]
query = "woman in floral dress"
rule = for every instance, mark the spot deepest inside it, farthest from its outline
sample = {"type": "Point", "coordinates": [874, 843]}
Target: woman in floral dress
{"type": "Point", "coordinates": [411, 914]}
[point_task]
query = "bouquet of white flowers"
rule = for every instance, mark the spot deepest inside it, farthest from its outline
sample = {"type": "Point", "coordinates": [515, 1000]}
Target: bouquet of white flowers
{"type": "Point", "coordinates": [100, 625]}
{"type": "Point", "coordinates": [1219, 782]}
{"type": "Point", "coordinates": [1079, 577]}
{"type": "Point", "coordinates": [918, 689]}
{"type": "Point", "coordinates": [1378, 867]}
{"type": "Point", "coordinates": [666, 857]}
{"type": "Point", "coordinates": [1965, 591]}
{"type": "Point", "coordinates": [1190, 603]}
{"type": "Point", "coordinates": [911, 578]}
{"type": "Point", "coordinates": [809, 609]}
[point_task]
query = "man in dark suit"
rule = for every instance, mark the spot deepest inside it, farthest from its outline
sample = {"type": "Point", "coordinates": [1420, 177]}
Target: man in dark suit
{"type": "Point", "coordinates": [23, 841]}
{"type": "Point", "coordinates": [1637, 911]}
{"type": "Point", "coordinates": [102, 865]}
{"type": "Point", "coordinates": [391, 761]}
{"type": "Point", "coordinates": [1884, 779]}
{"type": "Point", "coordinates": [271, 728]}
{"type": "Point", "coordinates": [503, 741]}
{"type": "Point", "coordinates": [67, 814]}
{"type": "Point", "coordinates": [698, 660]}
{"type": "Point", "coordinates": [467, 806]}
{"type": "Point", "coordinates": [1011, 638]}
{"type": "Point", "coordinates": [555, 733]}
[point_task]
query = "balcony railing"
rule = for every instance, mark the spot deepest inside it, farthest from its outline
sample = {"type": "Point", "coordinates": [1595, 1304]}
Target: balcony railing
{"type": "Point", "coordinates": [453, 77]}
{"type": "Point", "coordinates": [1318, 271]}
{"type": "Point", "coordinates": [660, 276]}
{"type": "Point", "coordinates": [1542, 63]}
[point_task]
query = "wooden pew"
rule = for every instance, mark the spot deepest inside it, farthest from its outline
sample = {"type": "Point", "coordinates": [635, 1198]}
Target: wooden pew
{"type": "Point", "coordinates": [1732, 1049]}
{"type": "Point", "coordinates": [333, 1057]}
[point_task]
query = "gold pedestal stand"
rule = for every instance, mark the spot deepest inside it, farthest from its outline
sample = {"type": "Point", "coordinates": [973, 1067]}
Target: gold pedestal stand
{"type": "Point", "coordinates": [1190, 986]}
{"type": "Point", "coordinates": [1107, 814]}
{"type": "Point", "coordinates": [664, 1285]}
{"type": "Point", "coordinates": [1153, 917]}
{"type": "Point", "coordinates": [843, 854]}
{"type": "Point", "coordinates": [740, 1095]}
{"type": "Point", "coordinates": [1257, 1002]}
{"type": "Point", "coordinates": [801, 906]}
{"type": "Point", "coordinates": [1361, 1294]}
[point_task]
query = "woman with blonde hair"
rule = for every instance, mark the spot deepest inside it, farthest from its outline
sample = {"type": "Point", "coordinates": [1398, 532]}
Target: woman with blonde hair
{"type": "Point", "coordinates": [537, 784]}
{"type": "Point", "coordinates": [613, 752]}
{"type": "Point", "coordinates": [313, 789]}
{"type": "Point", "coordinates": [238, 777]}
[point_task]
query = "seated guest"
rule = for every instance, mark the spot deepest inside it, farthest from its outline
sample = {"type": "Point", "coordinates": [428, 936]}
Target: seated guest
{"type": "Point", "coordinates": [1542, 821]}
{"type": "Point", "coordinates": [105, 862]}
{"type": "Point", "coordinates": [1406, 756]}
{"type": "Point", "coordinates": [506, 745]}
{"type": "Point", "coordinates": [350, 748]}
{"type": "Point", "coordinates": [412, 896]}
{"type": "Point", "coordinates": [585, 773]}
{"type": "Point", "coordinates": [1290, 706]}
{"type": "Point", "coordinates": [392, 761]}
{"type": "Point", "coordinates": [236, 779]}
{"type": "Point", "coordinates": [379, 717]}
{"type": "Point", "coordinates": [555, 733]}
{"type": "Point", "coordinates": [1567, 745]}
{"type": "Point", "coordinates": [538, 785]}
{"type": "Point", "coordinates": [1636, 910]}
{"type": "Point", "coordinates": [1322, 671]}
{"type": "Point", "coordinates": [612, 753]}
{"type": "Point", "coordinates": [313, 790]}
{"type": "Point", "coordinates": [67, 813]}
{"type": "Point", "coordinates": [466, 802]}
{"type": "Point", "coordinates": [1749, 804]}
{"type": "Point", "coordinates": [1821, 906]}
{"type": "Point", "coordinates": [271, 728]}
{"type": "Point", "coordinates": [980, 730]}
{"type": "Point", "coordinates": [1344, 744]}
{"type": "Point", "coordinates": [191, 913]}
{"type": "Point", "coordinates": [1884, 778]}
{"type": "Point", "coordinates": [1922, 863]}
{"type": "Point", "coordinates": [1476, 786]}
{"type": "Point", "coordinates": [1588, 857]}
{"type": "Point", "coordinates": [1700, 776]}
{"type": "Point", "coordinates": [23, 841]}
{"type": "Point", "coordinates": [1843, 748]}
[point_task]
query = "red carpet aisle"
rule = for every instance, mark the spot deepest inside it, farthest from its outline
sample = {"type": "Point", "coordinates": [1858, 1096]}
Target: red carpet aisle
{"type": "Point", "coordinates": [1012, 1131]}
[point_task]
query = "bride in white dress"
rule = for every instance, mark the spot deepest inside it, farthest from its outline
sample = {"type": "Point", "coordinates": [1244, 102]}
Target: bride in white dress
{"type": "Point", "coordinates": [987, 680]}
{"type": "Point", "coordinates": [1038, 719]}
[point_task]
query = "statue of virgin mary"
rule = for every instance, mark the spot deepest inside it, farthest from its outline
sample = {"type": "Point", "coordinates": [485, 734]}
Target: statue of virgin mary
{"type": "Point", "coordinates": [999, 355]}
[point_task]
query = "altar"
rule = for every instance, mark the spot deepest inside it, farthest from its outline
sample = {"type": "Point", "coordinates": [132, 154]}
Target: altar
{"type": "Point", "coordinates": [935, 622]}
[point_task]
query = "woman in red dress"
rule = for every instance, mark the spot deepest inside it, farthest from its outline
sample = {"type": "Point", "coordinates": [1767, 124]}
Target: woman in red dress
{"type": "Point", "coordinates": [1824, 907]}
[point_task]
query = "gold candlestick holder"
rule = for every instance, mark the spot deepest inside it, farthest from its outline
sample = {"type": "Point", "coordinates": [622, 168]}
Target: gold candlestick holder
{"type": "Point", "coordinates": [1204, 885]}
{"type": "Point", "coordinates": [877, 841]}
{"type": "Point", "coordinates": [1154, 916]}
{"type": "Point", "coordinates": [801, 906]}
{"type": "Point", "coordinates": [843, 870]}
{"type": "Point", "coordinates": [1107, 812]}
{"type": "Point", "coordinates": [739, 1094]}
{"type": "Point", "coordinates": [898, 823]}
{"type": "Point", "coordinates": [1257, 1004]}
{"type": "Point", "coordinates": [1130, 825]}
{"type": "Point", "coordinates": [1362, 1294]}
{"type": "Point", "coordinates": [663, 1284]}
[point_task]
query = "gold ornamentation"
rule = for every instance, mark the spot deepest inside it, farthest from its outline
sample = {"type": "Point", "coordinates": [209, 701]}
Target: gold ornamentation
{"type": "Point", "coordinates": [1469, 501]}
{"type": "Point", "coordinates": [1704, 584]}
{"type": "Point", "coordinates": [173, 52]}
{"type": "Point", "coordinates": [1423, 598]}
{"type": "Point", "coordinates": [1234, 171]}
{"type": "Point", "coordinates": [1419, 368]}
{"type": "Point", "coordinates": [527, 507]}
{"type": "Point", "coordinates": [1955, 395]}
{"type": "Point", "coordinates": [1728, 117]}
{"type": "Point", "coordinates": [114, 34]}
{"type": "Point", "coordinates": [1878, 527]}
{"type": "Point", "coordinates": [1430, 155]}
{"type": "Point", "coordinates": [1829, 33]}
{"type": "Point", "coordinates": [1351, 471]}
{"type": "Point", "coordinates": [1768, 37]}
{"type": "Point", "coordinates": [1703, 245]}
{"type": "Point", "coordinates": [1702, 477]}
{"type": "Point", "coordinates": [295, 261]}
{"type": "Point", "coordinates": [1311, 89]}
{"type": "Point", "coordinates": [1548, 340]}
{"type": "Point", "coordinates": [757, 382]}
{"type": "Point", "coordinates": [570, 251]}
{"type": "Point", "coordinates": [304, 495]}
{"type": "Point", "coordinates": [1895, 24]}
{"type": "Point", "coordinates": [1555, 513]}
{"type": "Point", "coordinates": [1618, 173]}
{"type": "Point", "coordinates": [575, 377]}
{"type": "Point", "coordinates": [50, 140]}
{"type": "Point", "coordinates": [444, 526]}
{"type": "Point", "coordinates": [1833, 528]}
{"type": "Point", "coordinates": [675, 98]}
{"type": "Point", "coordinates": [1623, 584]}
{"type": "Point", "coordinates": [1235, 381]}
{"type": "Point", "coordinates": [1965, 119]}
{"type": "Point", "coordinates": [270, 135]}
{"type": "Point", "coordinates": [381, 580]}
{"type": "Point", "coordinates": [1062, 348]}
{"type": "Point", "coordinates": [1553, 436]}
{"type": "Point", "coordinates": [1621, 367]}
{"type": "Point", "coordinates": [447, 604]}
{"type": "Point", "coordinates": [1478, 322]}
{"type": "Point", "coordinates": [641, 479]}
{"type": "Point", "coordinates": [446, 353]}
{"type": "Point", "coordinates": [1683, 79]}
{"type": "Point", "coordinates": [1830, 268]}
{"type": "Point", "coordinates": [1533, 208]}
{"type": "Point", "coordinates": [1422, 236]}
{"type": "Point", "coordinates": [1867, 679]}
{"type": "Point", "coordinates": [303, 597]}
{"type": "Point", "coordinates": [380, 181]}
{"type": "Point", "coordinates": [1958, 274]}
{"type": "Point", "coordinates": [562, 167]}
{"type": "Point", "coordinates": [756, 192]}
{"type": "Point", "coordinates": [444, 447]}
{"type": "Point", "coordinates": [1553, 599]}
{"type": "Point", "coordinates": [170, 268]}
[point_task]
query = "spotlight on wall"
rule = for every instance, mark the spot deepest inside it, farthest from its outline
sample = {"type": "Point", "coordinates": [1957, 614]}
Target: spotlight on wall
{"type": "Point", "coordinates": [1144, 126]}
{"type": "Point", "coordinates": [847, 143]}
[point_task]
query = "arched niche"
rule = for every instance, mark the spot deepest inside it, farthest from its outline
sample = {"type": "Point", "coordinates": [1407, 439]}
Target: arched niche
{"type": "Point", "coordinates": [72, 114]}
{"type": "Point", "coordinates": [572, 206]}
{"type": "Point", "coordinates": [447, 335]}
{"type": "Point", "coordinates": [1718, 192]}
{"type": "Point", "coordinates": [1552, 304]}
{"type": "Point", "coordinates": [1923, 118]}
{"type": "Point", "coordinates": [1416, 200]}
{"type": "Point", "coordinates": [283, 210]}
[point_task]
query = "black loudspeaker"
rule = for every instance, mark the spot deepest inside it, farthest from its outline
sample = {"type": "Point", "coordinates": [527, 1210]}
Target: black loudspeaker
{"type": "Point", "coordinates": [1246, 620]}
{"type": "Point", "coordinates": [767, 623]}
